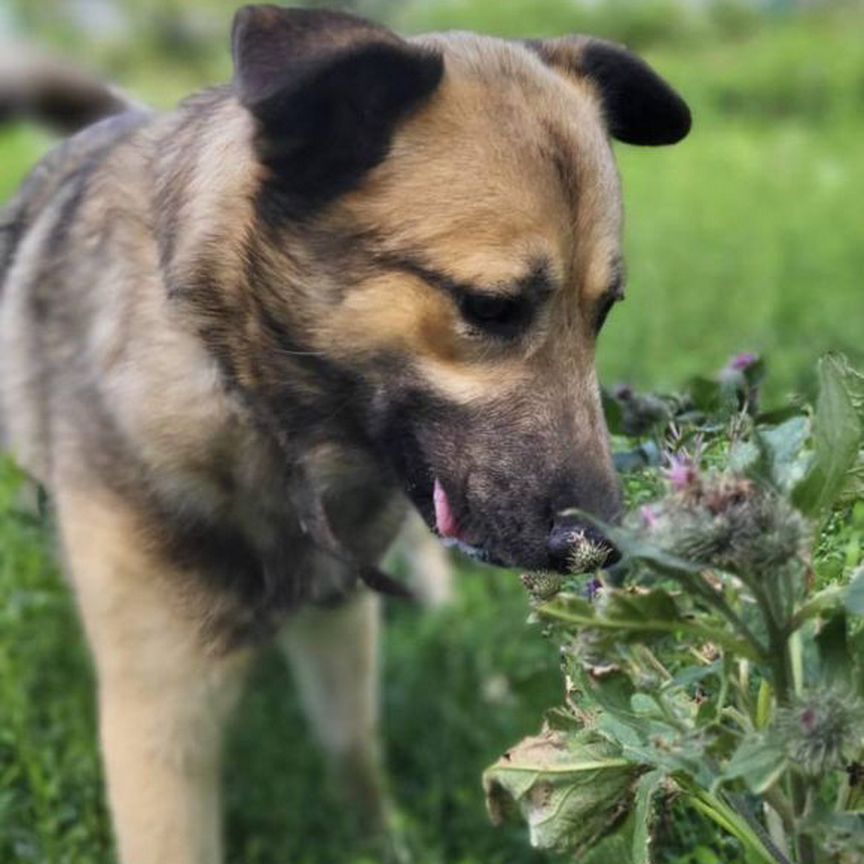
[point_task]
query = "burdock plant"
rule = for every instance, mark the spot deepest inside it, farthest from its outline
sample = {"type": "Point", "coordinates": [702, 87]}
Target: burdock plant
{"type": "Point", "coordinates": [716, 676]}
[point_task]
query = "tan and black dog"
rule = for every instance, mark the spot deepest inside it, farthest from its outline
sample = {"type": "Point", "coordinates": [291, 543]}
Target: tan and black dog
{"type": "Point", "coordinates": [237, 337]}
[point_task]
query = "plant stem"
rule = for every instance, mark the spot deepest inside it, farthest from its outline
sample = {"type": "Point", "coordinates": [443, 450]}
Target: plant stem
{"type": "Point", "coordinates": [780, 660]}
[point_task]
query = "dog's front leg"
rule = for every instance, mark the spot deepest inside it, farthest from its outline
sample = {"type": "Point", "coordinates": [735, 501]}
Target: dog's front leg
{"type": "Point", "coordinates": [334, 656]}
{"type": "Point", "coordinates": [163, 695]}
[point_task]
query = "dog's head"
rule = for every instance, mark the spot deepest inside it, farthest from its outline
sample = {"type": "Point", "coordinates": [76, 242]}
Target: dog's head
{"type": "Point", "coordinates": [450, 209]}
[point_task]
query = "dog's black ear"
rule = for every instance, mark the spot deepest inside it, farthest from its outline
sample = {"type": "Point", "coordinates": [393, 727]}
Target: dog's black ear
{"type": "Point", "coordinates": [327, 90]}
{"type": "Point", "coordinates": [640, 107]}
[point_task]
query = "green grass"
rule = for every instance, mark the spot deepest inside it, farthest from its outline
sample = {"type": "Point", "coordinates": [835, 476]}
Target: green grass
{"type": "Point", "coordinates": [747, 236]}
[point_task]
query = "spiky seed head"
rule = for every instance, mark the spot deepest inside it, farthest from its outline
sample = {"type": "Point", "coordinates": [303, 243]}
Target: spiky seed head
{"type": "Point", "coordinates": [730, 523]}
{"type": "Point", "coordinates": [586, 555]}
{"type": "Point", "coordinates": [542, 584]}
{"type": "Point", "coordinates": [823, 731]}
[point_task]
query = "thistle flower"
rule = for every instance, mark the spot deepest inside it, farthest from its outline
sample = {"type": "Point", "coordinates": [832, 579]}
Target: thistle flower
{"type": "Point", "coordinates": [682, 473]}
{"type": "Point", "coordinates": [742, 362]}
{"type": "Point", "coordinates": [586, 555]}
{"type": "Point", "coordinates": [741, 376]}
{"type": "Point", "coordinates": [727, 522]}
{"type": "Point", "coordinates": [542, 584]}
{"type": "Point", "coordinates": [592, 589]}
{"type": "Point", "coordinates": [640, 413]}
{"type": "Point", "coordinates": [823, 731]}
{"type": "Point", "coordinates": [650, 517]}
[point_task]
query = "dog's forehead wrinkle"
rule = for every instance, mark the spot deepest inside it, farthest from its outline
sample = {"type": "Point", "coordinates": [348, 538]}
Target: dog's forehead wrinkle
{"type": "Point", "coordinates": [533, 279]}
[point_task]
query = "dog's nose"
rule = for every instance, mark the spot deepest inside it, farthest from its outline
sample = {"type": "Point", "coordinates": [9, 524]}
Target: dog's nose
{"type": "Point", "coordinates": [565, 541]}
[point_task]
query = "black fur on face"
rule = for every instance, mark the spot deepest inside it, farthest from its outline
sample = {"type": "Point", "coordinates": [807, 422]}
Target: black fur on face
{"type": "Point", "coordinates": [327, 90]}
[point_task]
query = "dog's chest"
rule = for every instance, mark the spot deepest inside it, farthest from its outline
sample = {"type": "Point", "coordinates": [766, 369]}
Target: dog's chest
{"type": "Point", "coordinates": [257, 558]}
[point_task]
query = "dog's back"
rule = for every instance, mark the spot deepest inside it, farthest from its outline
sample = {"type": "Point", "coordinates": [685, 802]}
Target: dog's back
{"type": "Point", "coordinates": [34, 231]}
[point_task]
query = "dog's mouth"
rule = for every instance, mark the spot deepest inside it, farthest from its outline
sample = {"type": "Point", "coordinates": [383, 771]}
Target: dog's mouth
{"type": "Point", "coordinates": [446, 523]}
{"type": "Point", "coordinates": [450, 529]}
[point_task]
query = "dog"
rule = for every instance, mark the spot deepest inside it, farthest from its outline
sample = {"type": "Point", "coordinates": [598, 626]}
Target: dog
{"type": "Point", "coordinates": [239, 339]}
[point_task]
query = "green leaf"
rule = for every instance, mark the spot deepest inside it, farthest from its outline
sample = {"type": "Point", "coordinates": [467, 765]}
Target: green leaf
{"type": "Point", "coordinates": [837, 437]}
{"type": "Point", "coordinates": [854, 381]}
{"type": "Point", "coordinates": [764, 704]}
{"type": "Point", "coordinates": [695, 674]}
{"type": "Point", "coordinates": [711, 397]}
{"type": "Point", "coordinates": [781, 449]}
{"type": "Point", "coordinates": [834, 659]}
{"type": "Point", "coordinates": [745, 457]}
{"type": "Point", "coordinates": [716, 809]}
{"type": "Point", "coordinates": [646, 789]}
{"type": "Point", "coordinates": [855, 593]}
{"type": "Point", "coordinates": [572, 790]}
{"type": "Point", "coordinates": [613, 692]}
{"type": "Point", "coordinates": [646, 455]}
{"type": "Point", "coordinates": [854, 798]}
{"type": "Point", "coordinates": [632, 620]}
{"type": "Point", "coordinates": [779, 415]}
{"type": "Point", "coordinates": [759, 761]}
{"type": "Point", "coordinates": [824, 601]}
{"type": "Point", "coordinates": [642, 607]}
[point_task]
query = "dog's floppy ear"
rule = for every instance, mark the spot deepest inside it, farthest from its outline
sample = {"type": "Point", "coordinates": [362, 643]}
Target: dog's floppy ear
{"type": "Point", "coordinates": [327, 90]}
{"type": "Point", "coordinates": [639, 106]}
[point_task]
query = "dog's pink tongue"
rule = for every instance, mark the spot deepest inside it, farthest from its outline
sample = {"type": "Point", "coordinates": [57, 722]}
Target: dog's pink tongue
{"type": "Point", "coordinates": [445, 521]}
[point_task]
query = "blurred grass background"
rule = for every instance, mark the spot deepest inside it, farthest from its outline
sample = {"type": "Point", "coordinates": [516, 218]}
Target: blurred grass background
{"type": "Point", "coordinates": [748, 236]}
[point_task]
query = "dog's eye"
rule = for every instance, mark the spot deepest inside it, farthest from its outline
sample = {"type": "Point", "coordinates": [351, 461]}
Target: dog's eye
{"type": "Point", "coordinates": [604, 311]}
{"type": "Point", "coordinates": [615, 294]}
{"type": "Point", "coordinates": [500, 316]}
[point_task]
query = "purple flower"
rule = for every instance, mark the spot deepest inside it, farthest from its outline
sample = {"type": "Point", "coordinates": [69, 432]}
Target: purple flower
{"type": "Point", "coordinates": [682, 473]}
{"type": "Point", "coordinates": [649, 517]}
{"type": "Point", "coordinates": [592, 589]}
{"type": "Point", "coordinates": [742, 362]}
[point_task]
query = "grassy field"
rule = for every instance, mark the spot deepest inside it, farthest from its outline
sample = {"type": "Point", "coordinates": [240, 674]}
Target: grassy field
{"type": "Point", "coordinates": [745, 237]}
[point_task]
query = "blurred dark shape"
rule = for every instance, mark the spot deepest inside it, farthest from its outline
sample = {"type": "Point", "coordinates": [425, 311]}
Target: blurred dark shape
{"type": "Point", "coordinates": [58, 94]}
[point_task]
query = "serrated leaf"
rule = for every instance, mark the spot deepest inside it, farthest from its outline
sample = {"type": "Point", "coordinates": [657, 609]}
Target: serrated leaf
{"type": "Point", "coordinates": [837, 438]}
{"type": "Point", "coordinates": [759, 761]}
{"type": "Point", "coordinates": [637, 616]}
{"type": "Point", "coordinates": [641, 607]}
{"type": "Point", "coordinates": [570, 789]}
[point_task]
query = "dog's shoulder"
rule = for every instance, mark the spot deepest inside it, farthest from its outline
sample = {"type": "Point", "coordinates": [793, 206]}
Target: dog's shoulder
{"type": "Point", "coordinates": [67, 165]}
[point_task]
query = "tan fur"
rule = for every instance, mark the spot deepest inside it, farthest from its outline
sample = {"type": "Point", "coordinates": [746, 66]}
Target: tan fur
{"type": "Point", "coordinates": [163, 697]}
{"type": "Point", "coordinates": [339, 689]}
